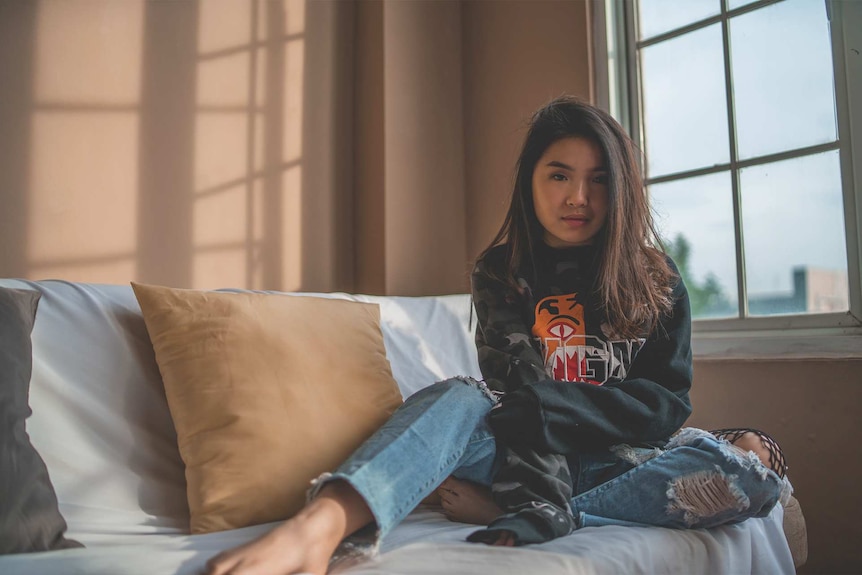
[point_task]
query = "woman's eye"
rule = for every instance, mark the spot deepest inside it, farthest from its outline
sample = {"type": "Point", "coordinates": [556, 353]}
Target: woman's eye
{"type": "Point", "coordinates": [602, 179]}
{"type": "Point", "coordinates": [559, 177]}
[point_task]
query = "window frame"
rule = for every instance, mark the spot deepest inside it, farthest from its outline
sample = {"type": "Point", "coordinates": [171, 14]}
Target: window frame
{"type": "Point", "coordinates": [617, 89]}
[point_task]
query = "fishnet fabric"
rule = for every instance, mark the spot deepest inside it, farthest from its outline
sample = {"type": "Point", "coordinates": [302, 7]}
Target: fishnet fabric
{"type": "Point", "coordinates": [776, 457]}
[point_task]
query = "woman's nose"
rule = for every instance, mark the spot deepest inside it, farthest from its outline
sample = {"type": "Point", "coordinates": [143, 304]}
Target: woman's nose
{"type": "Point", "coordinates": [579, 195]}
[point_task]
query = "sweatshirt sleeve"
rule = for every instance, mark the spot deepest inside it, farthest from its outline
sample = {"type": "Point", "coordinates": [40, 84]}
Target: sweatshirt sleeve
{"type": "Point", "coordinates": [648, 406]}
{"type": "Point", "coordinates": [507, 357]}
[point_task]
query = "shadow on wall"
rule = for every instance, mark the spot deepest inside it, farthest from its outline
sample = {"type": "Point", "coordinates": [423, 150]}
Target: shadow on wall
{"type": "Point", "coordinates": [155, 141]}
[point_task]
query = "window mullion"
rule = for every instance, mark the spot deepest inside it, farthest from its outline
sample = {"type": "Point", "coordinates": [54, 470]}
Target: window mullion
{"type": "Point", "coordinates": [747, 163]}
{"type": "Point", "coordinates": [632, 63]}
{"type": "Point", "coordinates": [848, 88]}
{"type": "Point", "coordinates": [734, 171]}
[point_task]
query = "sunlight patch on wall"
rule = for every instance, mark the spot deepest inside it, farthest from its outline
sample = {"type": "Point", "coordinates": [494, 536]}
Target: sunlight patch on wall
{"type": "Point", "coordinates": [220, 218]}
{"type": "Point", "coordinates": [260, 152]}
{"type": "Point", "coordinates": [258, 247]}
{"type": "Point", "coordinates": [293, 81]}
{"type": "Point", "coordinates": [247, 206]}
{"type": "Point", "coordinates": [223, 81]}
{"type": "Point", "coordinates": [83, 200]}
{"type": "Point", "coordinates": [294, 17]}
{"type": "Point", "coordinates": [89, 53]}
{"type": "Point", "coordinates": [224, 24]}
{"type": "Point", "coordinates": [82, 212]}
{"type": "Point", "coordinates": [220, 268]}
{"type": "Point", "coordinates": [112, 270]}
{"type": "Point", "coordinates": [221, 148]}
{"type": "Point", "coordinates": [293, 109]}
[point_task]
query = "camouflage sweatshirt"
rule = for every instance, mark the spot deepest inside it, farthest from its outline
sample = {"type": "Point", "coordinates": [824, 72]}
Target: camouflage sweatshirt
{"type": "Point", "coordinates": [569, 384]}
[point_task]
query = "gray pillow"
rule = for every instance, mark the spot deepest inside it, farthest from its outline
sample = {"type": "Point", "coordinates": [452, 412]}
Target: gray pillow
{"type": "Point", "coordinates": [29, 517]}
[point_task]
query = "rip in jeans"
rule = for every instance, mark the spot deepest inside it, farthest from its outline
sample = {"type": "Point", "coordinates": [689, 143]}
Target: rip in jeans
{"type": "Point", "coordinates": [705, 494]}
{"type": "Point", "coordinates": [494, 396]}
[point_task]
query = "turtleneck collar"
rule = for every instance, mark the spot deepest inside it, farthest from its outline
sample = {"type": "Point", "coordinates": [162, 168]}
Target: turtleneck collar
{"type": "Point", "coordinates": [581, 254]}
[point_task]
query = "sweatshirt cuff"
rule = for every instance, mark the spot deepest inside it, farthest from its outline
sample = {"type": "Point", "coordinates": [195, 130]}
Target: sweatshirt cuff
{"type": "Point", "coordinates": [517, 419]}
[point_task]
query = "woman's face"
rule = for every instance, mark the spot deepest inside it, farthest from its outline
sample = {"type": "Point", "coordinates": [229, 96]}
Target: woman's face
{"type": "Point", "coordinates": [570, 192]}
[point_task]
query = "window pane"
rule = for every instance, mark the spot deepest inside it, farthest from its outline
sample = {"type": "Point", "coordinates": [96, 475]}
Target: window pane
{"type": "Point", "coordinates": [695, 220]}
{"type": "Point", "coordinates": [795, 252]}
{"type": "Point", "coordinates": [782, 78]}
{"type": "Point", "coordinates": [685, 106]}
{"type": "Point", "coordinates": [659, 16]}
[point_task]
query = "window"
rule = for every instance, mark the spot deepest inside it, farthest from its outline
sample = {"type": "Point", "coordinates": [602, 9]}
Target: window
{"type": "Point", "coordinates": [746, 126]}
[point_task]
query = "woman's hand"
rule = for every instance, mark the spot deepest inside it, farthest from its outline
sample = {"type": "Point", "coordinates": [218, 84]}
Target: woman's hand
{"type": "Point", "coordinates": [467, 502]}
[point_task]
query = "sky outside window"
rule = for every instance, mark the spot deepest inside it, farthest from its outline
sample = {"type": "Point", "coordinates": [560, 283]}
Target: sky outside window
{"type": "Point", "coordinates": [660, 16]}
{"type": "Point", "coordinates": [782, 83]}
{"type": "Point", "coordinates": [783, 96]}
{"type": "Point", "coordinates": [685, 120]}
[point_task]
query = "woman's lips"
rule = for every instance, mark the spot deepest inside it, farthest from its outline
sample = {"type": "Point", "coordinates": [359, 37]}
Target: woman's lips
{"type": "Point", "coordinates": [576, 221]}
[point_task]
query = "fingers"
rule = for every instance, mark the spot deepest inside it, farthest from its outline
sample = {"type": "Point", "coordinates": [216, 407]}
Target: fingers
{"type": "Point", "coordinates": [506, 539]}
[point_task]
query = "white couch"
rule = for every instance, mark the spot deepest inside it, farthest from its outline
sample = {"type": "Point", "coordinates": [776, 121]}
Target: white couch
{"type": "Point", "coordinates": [101, 423]}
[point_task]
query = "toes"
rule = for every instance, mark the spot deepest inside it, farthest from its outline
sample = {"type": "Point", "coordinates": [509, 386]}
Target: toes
{"type": "Point", "coordinates": [219, 564]}
{"type": "Point", "coordinates": [455, 483]}
{"type": "Point", "coordinates": [446, 492]}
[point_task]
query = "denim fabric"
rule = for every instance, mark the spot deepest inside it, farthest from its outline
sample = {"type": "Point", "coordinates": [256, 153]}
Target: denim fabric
{"type": "Point", "coordinates": [698, 481]}
{"type": "Point", "coordinates": [439, 431]}
{"type": "Point", "coordinates": [442, 430]}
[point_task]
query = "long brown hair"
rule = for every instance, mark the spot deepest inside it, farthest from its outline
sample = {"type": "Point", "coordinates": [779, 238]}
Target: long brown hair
{"type": "Point", "coordinates": [634, 281]}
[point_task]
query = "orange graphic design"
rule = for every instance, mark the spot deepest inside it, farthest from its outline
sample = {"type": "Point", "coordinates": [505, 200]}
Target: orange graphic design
{"type": "Point", "coordinates": [560, 329]}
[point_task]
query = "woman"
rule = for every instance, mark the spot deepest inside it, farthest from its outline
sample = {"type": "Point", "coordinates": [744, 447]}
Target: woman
{"type": "Point", "coordinates": [584, 343]}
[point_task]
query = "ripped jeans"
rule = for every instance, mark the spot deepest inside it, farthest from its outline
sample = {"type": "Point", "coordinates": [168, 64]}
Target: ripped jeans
{"type": "Point", "coordinates": [442, 430]}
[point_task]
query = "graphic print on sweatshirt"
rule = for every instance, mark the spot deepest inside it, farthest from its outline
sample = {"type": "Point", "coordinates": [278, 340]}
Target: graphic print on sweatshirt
{"type": "Point", "coordinates": [573, 353]}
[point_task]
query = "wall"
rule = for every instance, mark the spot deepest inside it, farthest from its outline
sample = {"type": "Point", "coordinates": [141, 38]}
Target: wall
{"type": "Point", "coordinates": [191, 144]}
{"type": "Point", "coordinates": [517, 56]}
{"type": "Point", "coordinates": [444, 92]}
{"type": "Point", "coordinates": [811, 409]}
{"type": "Point", "coordinates": [285, 145]}
{"type": "Point", "coordinates": [410, 179]}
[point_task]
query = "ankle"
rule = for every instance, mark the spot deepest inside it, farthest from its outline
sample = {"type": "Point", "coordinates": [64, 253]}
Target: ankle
{"type": "Point", "coordinates": [346, 504]}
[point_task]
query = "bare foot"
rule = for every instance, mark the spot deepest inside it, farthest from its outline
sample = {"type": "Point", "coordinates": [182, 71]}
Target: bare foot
{"type": "Point", "coordinates": [433, 499]}
{"type": "Point", "coordinates": [302, 544]}
{"type": "Point", "coordinates": [467, 502]}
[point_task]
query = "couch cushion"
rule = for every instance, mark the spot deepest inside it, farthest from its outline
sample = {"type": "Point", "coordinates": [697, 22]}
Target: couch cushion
{"type": "Point", "coordinates": [29, 517]}
{"type": "Point", "coordinates": [266, 392]}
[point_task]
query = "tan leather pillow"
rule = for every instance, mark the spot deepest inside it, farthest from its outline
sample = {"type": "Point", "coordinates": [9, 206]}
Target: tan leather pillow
{"type": "Point", "coordinates": [266, 392]}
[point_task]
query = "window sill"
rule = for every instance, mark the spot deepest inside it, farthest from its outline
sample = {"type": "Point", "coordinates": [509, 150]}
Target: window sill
{"type": "Point", "coordinates": [842, 344]}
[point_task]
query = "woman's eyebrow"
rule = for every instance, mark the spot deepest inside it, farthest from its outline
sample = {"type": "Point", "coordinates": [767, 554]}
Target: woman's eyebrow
{"type": "Point", "coordinates": [557, 164]}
